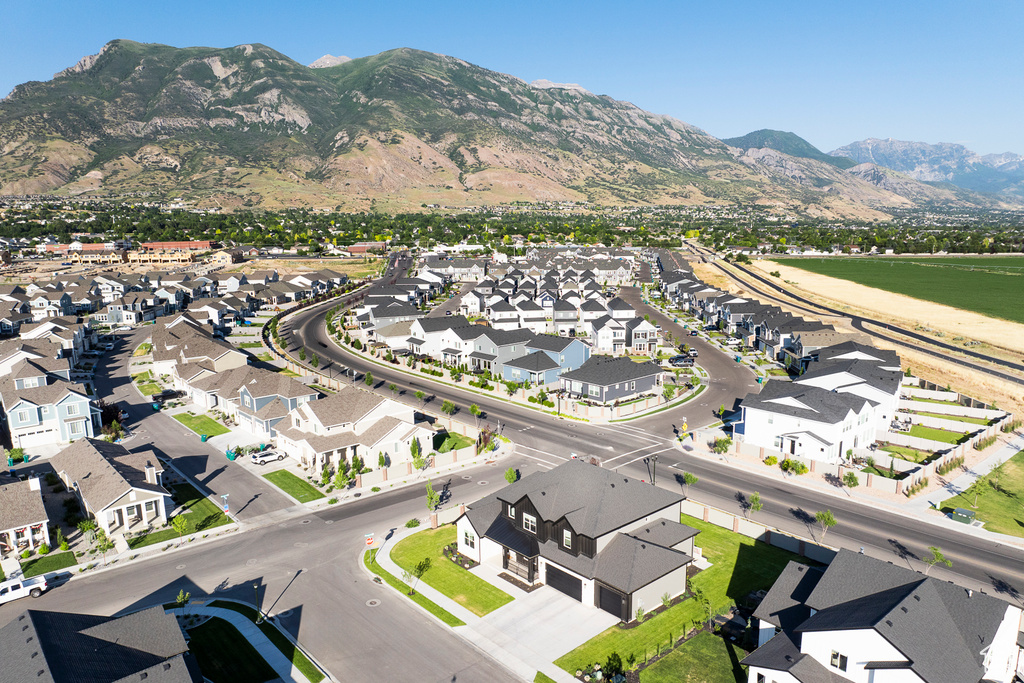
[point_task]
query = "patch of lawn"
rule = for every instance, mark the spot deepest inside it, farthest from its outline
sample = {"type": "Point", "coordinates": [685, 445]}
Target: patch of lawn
{"type": "Point", "coordinates": [778, 372]}
{"type": "Point", "coordinates": [43, 564]}
{"type": "Point", "coordinates": [958, 418]}
{"type": "Point", "coordinates": [541, 677]}
{"type": "Point", "coordinates": [298, 489]}
{"type": "Point", "coordinates": [225, 656]}
{"type": "Point", "coordinates": [199, 511]}
{"type": "Point", "coordinates": [942, 435]}
{"type": "Point", "coordinates": [251, 345]}
{"type": "Point", "coordinates": [739, 565]}
{"type": "Point", "coordinates": [936, 400]}
{"type": "Point", "coordinates": [201, 424]}
{"type": "Point", "coordinates": [143, 376]}
{"type": "Point", "coordinates": [451, 442]}
{"type": "Point", "coordinates": [370, 560]}
{"type": "Point", "coordinates": [906, 453]}
{"type": "Point", "coordinates": [470, 591]}
{"type": "Point", "coordinates": [999, 497]}
{"type": "Point", "coordinates": [289, 373]}
{"type": "Point", "coordinates": [882, 472]}
{"type": "Point", "coordinates": [704, 659]}
{"type": "Point", "coordinates": [149, 388]}
{"type": "Point", "coordinates": [280, 640]}
{"type": "Point", "coordinates": [265, 356]}
{"type": "Point", "coordinates": [143, 349]}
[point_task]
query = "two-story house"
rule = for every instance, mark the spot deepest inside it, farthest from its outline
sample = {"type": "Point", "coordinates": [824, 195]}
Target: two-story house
{"type": "Point", "coordinates": [600, 537]}
{"type": "Point", "coordinates": [42, 409]}
{"type": "Point", "coordinates": [605, 379]}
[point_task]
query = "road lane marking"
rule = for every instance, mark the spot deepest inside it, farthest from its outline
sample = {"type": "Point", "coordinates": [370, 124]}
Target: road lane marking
{"type": "Point", "coordinates": [635, 450]}
{"type": "Point", "coordinates": [641, 457]}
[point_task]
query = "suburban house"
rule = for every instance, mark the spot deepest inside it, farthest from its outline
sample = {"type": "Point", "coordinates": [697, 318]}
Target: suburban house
{"type": "Point", "coordinates": [602, 538]}
{"type": "Point", "coordinates": [605, 379]}
{"type": "Point", "coordinates": [868, 621]}
{"type": "Point", "coordinates": [60, 647]}
{"type": "Point", "coordinates": [121, 490]}
{"type": "Point", "coordinates": [23, 518]}
{"type": "Point", "coordinates": [351, 423]}
{"type": "Point", "coordinates": [41, 409]}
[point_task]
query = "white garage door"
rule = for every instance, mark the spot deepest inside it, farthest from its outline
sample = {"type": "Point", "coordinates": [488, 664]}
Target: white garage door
{"type": "Point", "coordinates": [41, 438]}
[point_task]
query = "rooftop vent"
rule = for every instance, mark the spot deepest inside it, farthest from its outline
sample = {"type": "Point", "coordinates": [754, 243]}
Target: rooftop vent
{"type": "Point", "coordinates": [888, 623]}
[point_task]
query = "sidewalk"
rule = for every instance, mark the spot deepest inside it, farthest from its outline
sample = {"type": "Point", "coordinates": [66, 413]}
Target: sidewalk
{"type": "Point", "coordinates": [967, 479]}
{"type": "Point", "coordinates": [476, 631]}
{"type": "Point", "coordinates": [273, 656]}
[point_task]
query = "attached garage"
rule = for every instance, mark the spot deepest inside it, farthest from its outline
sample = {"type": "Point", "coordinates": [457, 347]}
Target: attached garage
{"type": "Point", "coordinates": [612, 601]}
{"type": "Point", "coordinates": [564, 582]}
{"type": "Point", "coordinates": [40, 438]}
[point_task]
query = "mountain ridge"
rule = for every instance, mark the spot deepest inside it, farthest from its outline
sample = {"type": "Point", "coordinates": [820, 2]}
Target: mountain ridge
{"type": "Point", "coordinates": [789, 143]}
{"type": "Point", "coordinates": [249, 126]}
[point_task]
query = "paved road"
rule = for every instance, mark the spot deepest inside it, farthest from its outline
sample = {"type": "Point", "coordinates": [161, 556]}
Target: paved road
{"type": "Point", "coordinates": [546, 440]}
{"type": "Point", "coordinates": [309, 568]}
{"type": "Point", "coordinates": [249, 495]}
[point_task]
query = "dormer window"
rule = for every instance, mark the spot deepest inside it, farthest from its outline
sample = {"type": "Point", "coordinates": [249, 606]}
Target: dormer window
{"type": "Point", "coordinates": [512, 511]}
{"type": "Point", "coordinates": [567, 539]}
{"type": "Point", "coordinates": [530, 523]}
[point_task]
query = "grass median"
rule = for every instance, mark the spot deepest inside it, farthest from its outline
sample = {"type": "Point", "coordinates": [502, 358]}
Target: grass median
{"type": "Point", "coordinates": [279, 639]}
{"type": "Point", "coordinates": [298, 489]}
{"type": "Point", "coordinates": [226, 656]}
{"type": "Point", "coordinates": [370, 560]}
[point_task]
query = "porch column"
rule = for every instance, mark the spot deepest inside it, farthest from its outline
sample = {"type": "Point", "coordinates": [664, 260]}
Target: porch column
{"type": "Point", "coordinates": [30, 534]}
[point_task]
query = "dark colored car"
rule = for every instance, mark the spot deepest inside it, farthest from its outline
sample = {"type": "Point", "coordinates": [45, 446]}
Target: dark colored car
{"type": "Point", "coordinates": [167, 395]}
{"type": "Point", "coordinates": [680, 362]}
{"type": "Point", "coordinates": [693, 333]}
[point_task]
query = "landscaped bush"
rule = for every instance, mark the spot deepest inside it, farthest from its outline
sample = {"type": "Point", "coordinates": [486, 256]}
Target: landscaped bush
{"type": "Point", "coordinates": [1011, 427]}
{"type": "Point", "coordinates": [771, 460]}
{"type": "Point", "coordinates": [44, 549]}
{"type": "Point", "coordinates": [793, 466]}
{"type": "Point", "coordinates": [982, 444]}
{"type": "Point", "coordinates": [375, 489]}
{"type": "Point", "coordinates": [918, 487]}
{"type": "Point", "coordinates": [412, 523]}
{"type": "Point", "coordinates": [950, 466]}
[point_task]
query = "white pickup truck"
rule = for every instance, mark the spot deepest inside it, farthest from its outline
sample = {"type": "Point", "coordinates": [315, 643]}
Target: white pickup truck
{"type": "Point", "coordinates": [21, 588]}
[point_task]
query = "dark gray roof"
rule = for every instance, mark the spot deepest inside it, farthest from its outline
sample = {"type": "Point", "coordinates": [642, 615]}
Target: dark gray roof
{"type": "Point", "coordinates": [563, 305]}
{"type": "Point", "coordinates": [868, 371]}
{"type": "Point", "coordinates": [884, 357]}
{"type": "Point", "coordinates": [538, 361]}
{"type": "Point", "coordinates": [606, 370]}
{"type": "Point", "coordinates": [593, 500]}
{"type": "Point", "coordinates": [804, 401]}
{"type": "Point", "coordinates": [617, 304]}
{"type": "Point", "coordinates": [593, 305]}
{"type": "Point", "coordinates": [58, 646]}
{"type": "Point", "coordinates": [628, 563]}
{"type": "Point", "coordinates": [550, 342]}
{"type": "Point", "coordinates": [783, 605]}
{"type": "Point", "coordinates": [442, 323]}
{"type": "Point", "coordinates": [506, 337]}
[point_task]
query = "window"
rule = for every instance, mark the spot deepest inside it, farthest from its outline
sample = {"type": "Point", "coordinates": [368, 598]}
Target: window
{"type": "Point", "coordinates": [512, 511]}
{"type": "Point", "coordinates": [469, 540]}
{"type": "Point", "coordinates": [530, 523]}
{"type": "Point", "coordinates": [567, 538]}
{"type": "Point", "coordinates": [838, 661]}
{"type": "Point", "coordinates": [245, 399]}
{"type": "Point", "coordinates": [76, 429]}
{"type": "Point", "coordinates": [594, 391]}
{"type": "Point", "coordinates": [72, 409]}
{"type": "Point", "coordinates": [761, 678]}
{"type": "Point", "coordinates": [22, 416]}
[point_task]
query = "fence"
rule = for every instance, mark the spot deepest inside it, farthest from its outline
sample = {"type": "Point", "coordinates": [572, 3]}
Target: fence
{"type": "Point", "coordinates": [751, 529]}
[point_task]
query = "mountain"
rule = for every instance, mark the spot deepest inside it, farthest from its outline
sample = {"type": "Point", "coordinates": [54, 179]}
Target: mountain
{"type": "Point", "coordinates": [943, 162]}
{"type": "Point", "coordinates": [248, 126]}
{"type": "Point", "coordinates": [328, 61]}
{"type": "Point", "coordinates": [788, 143]}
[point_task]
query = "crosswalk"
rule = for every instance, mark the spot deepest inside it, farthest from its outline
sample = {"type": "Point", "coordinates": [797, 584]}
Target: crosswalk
{"type": "Point", "coordinates": [652, 444]}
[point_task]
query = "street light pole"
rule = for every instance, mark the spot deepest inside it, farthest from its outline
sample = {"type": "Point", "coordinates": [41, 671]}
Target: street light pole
{"type": "Point", "coordinates": [259, 614]}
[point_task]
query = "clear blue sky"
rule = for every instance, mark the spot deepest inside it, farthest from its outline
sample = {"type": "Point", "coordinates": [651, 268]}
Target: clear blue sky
{"type": "Point", "coordinates": [831, 72]}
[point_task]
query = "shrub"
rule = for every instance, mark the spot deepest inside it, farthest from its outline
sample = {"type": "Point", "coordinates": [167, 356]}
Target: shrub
{"type": "Point", "coordinates": [982, 444]}
{"type": "Point", "coordinates": [44, 549]}
{"type": "Point", "coordinates": [412, 523]}
{"type": "Point", "coordinates": [949, 466]}
{"type": "Point", "coordinates": [375, 489]}
{"type": "Point", "coordinates": [793, 466]}
{"type": "Point", "coordinates": [332, 501]}
{"type": "Point", "coordinates": [721, 445]}
{"type": "Point", "coordinates": [27, 554]}
{"type": "Point", "coordinates": [771, 460]}
{"type": "Point", "coordinates": [1010, 427]}
{"type": "Point", "coordinates": [916, 488]}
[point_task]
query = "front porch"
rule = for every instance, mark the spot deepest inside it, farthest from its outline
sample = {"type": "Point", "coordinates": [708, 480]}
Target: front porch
{"type": "Point", "coordinates": [24, 538]}
{"type": "Point", "coordinates": [133, 517]}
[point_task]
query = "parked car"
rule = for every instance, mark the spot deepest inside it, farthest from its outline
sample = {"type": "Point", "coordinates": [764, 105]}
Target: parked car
{"type": "Point", "coordinates": [167, 395]}
{"type": "Point", "coordinates": [693, 353]}
{"type": "Point", "coordinates": [733, 342]}
{"type": "Point", "coordinates": [680, 361]}
{"type": "Point", "coordinates": [693, 333]}
{"type": "Point", "coordinates": [265, 457]}
{"type": "Point", "coordinates": [21, 588]}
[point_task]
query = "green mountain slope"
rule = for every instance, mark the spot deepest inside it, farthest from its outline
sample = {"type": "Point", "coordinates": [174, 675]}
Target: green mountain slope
{"type": "Point", "coordinates": [787, 143]}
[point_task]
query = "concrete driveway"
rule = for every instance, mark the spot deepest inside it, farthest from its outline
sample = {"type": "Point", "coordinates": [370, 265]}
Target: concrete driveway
{"type": "Point", "coordinates": [545, 622]}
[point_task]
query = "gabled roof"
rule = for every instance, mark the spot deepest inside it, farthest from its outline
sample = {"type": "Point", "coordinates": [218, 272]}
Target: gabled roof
{"type": "Point", "coordinates": [538, 361]}
{"type": "Point", "coordinates": [804, 401]}
{"type": "Point", "coordinates": [105, 471]}
{"type": "Point", "coordinates": [551, 342]}
{"type": "Point", "coordinates": [20, 506]}
{"type": "Point", "coordinates": [606, 370]}
{"type": "Point", "coordinates": [442, 323]}
{"type": "Point", "coordinates": [348, 405]}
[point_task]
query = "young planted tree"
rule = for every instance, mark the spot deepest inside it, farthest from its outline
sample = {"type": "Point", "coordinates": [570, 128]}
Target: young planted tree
{"type": "Point", "coordinates": [103, 544]}
{"type": "Point", "coordinates": [179, 524]}
{"type": "Point", "coordinates": [448, 408]}
{"type": "Point", "coordinates": [689, 479]}
{"type": "Point", "coordinates": [315, 362]}
{"type": "Point", "coordinates": [826, 519]}
{"type": "Point", "coordinates": [754, 503]}
{"type": "Point", "coordinates": [511, 476]}
{"type": "Point", "coordinates": [433, 497]}
{"type": "Point", "coordinates": [394, 389]}
{"type": "Point", "coordinates": [182, 599]}
{"type": "Point", "coordinates": [357, 465]}
{"type": "Point", "coordinates": [302, 353]}
{"type": "Point", "coordinates": [850, 480]}
{"type": "Point", "coordinates": [475, 411]}
{"type": "Point", "coordinates": [421, 397]}
{"type": "Point", "coordinates": [368, 378]}
{"type": "Point", "coordinates": [936, 558]}
{"type": "Point", "coordinates": [421, 568]}
{"type": "Point", "coordinates": [668, 392]}
{"type": "Point", "coordinates": [381, 460]}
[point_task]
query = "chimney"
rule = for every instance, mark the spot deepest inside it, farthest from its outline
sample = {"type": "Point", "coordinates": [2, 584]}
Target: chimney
{"type": "Point", "coordinates": [150, 474]}
{"type": "Point", "coordinates": [33, 484]}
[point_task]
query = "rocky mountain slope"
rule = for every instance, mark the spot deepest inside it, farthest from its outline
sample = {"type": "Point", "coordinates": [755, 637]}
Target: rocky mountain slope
{"type": "Point", "coordinates": [247, 126]}
{"type": "Point", "coordinates": [788, 143]}
{"type": "Point", "coordinates": [943, 162]}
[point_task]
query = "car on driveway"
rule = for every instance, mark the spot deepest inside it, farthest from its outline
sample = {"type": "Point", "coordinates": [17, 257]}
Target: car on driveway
{"type": "Point", "coordinates": [21, 588]}
{"type": "Point", "coordinates": [167, 395]}
{"type": "Point", "coordinates": [265, 457]}
{"type": "Point", "coordinates": [680, 361]}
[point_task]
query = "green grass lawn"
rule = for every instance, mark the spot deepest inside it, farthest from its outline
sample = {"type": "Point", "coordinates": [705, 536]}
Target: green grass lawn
{"type": "Point", "coordinates": [225, 656]}
{"type": "Point", "coordinates": [298, 489]}
{"type": "Point", "coordinates": [43, 564]}
{"type": "Point", "coordinates": [911, 454]}
{"type": "Point", "coordinates": [143, 349]}
{"type": "Point", "coordinates": [370, 560]}
{"type": "Point", "coordinates": [289, 373]}
{"type": "Point", "coordinates": [958, 418]}
{"type": "Point", "coordinates": [936, 400]}
{"type": "Point", "coordinates": [201, 424]}
{"type": "Point", "coordinates": [143, 376]}
{"type": "Point", "coordinates": [280, 640]}
{"type": "Point", "coordinates": [942, 435]}
{"type": "Point", "coordinates": [881, 471]}
{"type": "Point", "coordinates": [777, 372]}
{"type": "Point", "coordinates": [265, 356]}
{"type": "Point", "coordinates": [451, 442]}
{"type": "Point", "coordinates": [704, 659]}
{"type": "Point", "coordinates": [199, 511]}
{"type": "Point", "coordinates": [472, 592]}
{"type": "Point", "coordinates": [149, 388]}
{"type": "Point", "coordinates": [251, 345]}
{"type": "Point", "coordinates": [739, 566]}
{"type": "Point", "coordinates": [1000, 499]}
{"type": "Point", "coordinates": [953, 281]}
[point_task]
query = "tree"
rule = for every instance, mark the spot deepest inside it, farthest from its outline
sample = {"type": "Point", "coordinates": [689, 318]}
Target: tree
{"type": "Point", "coordinates": [394, 389]}
{"type": "Point", "coordinates": [689, 479]}
{"type": "Point", "coordinates": [936, 558]}
{"type": "Point", "coordinates": [315, 362]}
{"type": "Point", "coordinates": [721, 445]}
{"type": "Point", "coordinates": [417, 454]}
{"type": "Point", "coordinates": [755, 503]}
{"type": "Point", "coordinates": [668, 392]}
{"type": "Point", "coordinates": [103, 544]}
{"type": "Point", "coordinates": [475, 411]}
{"type": "Point", "coordinates": [448, 408]}
{"type": "Point", "coordinates": [826, 519]}
{"type": "Point", "coordinates": [357, 465]}
{"type": "Point", "coordinates": [421, 396]}
{"type": "Point", "coordinates": [302, 353]}
{"type": "Point", "coordinates": [421, 568]}
{"type": "Point", "coordinates": [433, 497]}
{"type": "Point", "coordinates": [511, 476]}
{"type": "Point", "coordinates": [703, 602]}
{"type": "Point", "coordinates": [381, 460]}
{"type": "Point", "coordinates": [851, 480]}
{"type": "Point", "coordinates": [182, 599]}
{"type": "Point", "coordinates": [721, 411]}
{"type": "Point", "coordinates": [368, 378]}
{"type": "Point", "coordinates": [179, 524]}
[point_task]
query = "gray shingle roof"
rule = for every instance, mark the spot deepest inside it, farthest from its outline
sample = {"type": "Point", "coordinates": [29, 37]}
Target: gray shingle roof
{"type": "Point", "coordinates": [348, 405]}
{"type": "Point", "coordinates": [20, 506]}
{"type": "Point", "coordinates": [783, 605]}
{"type": "Point", "coordinates": [804, 401]}
{"type": "Point", "coordinates": [606, 370]}
{"type": "Point", "coordinates": [105, 471]}
{"type": "Point", "coordinates": [550, 342]}
{"type": "Point", "coordinates": [538, 361]}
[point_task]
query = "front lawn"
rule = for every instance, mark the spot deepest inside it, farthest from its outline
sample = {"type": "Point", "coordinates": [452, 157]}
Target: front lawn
{"type": "Point", "coordinates": [199, 511]}
{"type": "Point", "coordinates": [370, 560]}
{"type": "Point", "coordinates": [280, 640]}
{"type": "Point", "coordinates": [298, 489]}
{"type": "Point", "coordinates": [451, 442]}
{"type": "Point", "coordinates": [225, 656]}
{"type": "Point", "coordinates": [704, 659]}
{"type": "Point", "coordinates": [201, 424]}
{"type": "Point", "coordinates": [739, 565]}
{"type": "Point", "coordinates": [143, 376]}
{"type": "Point", "coordinates": [43, 564]}
{"type": "Point", "coordinates": [143, 349]}
{"type": "Point", "coordinates": [942, 435]}
{"type": "Point", "coordinates": [250, 345]}
{"type": "Point", "coordinates": [999, 498]}
{"type": "Point", "coordinates": [958, 418]}
{"type": "Point", "coordinates": [265, 357]}
{"type": "Point", "coordinates": [470, 591]}
{"type": "Point", "coordinates": [149, 388]}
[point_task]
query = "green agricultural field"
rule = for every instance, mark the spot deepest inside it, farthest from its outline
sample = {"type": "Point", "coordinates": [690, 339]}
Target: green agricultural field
{"type": "Point", "coordinates": [989, 286]}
